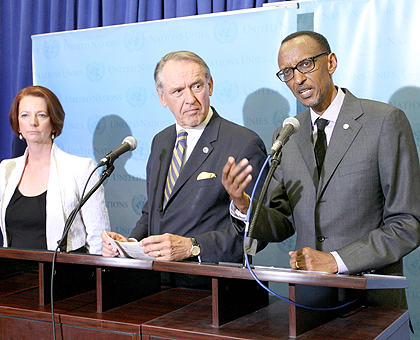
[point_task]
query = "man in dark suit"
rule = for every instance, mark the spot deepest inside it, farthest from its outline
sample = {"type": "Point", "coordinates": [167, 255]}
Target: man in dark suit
{"type": "Point", "coordinates": [359, 211]}
{"type": "Point", "coordinates": [193, 221]}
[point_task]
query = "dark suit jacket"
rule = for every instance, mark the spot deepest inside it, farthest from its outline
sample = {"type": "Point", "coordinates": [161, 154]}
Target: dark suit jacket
{"type": "Point", "coordinates": [199, 208]}
{"type": "Point", "coordinates": [366, 203]}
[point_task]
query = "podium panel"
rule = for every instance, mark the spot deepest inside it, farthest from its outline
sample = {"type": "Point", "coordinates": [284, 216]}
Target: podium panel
{"type": "Point", "coordinates": [110, 298]}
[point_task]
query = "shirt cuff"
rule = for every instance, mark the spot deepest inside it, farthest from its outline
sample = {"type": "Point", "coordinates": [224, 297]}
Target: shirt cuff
{"type": "Point", "coordinates": [342, 268]}
{"type": "Point", "coordinates": [236, 213]}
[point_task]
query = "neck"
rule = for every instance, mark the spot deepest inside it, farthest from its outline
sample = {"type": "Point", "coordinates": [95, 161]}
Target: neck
{"type": "Point", "coordinates": [39, 152]}
{"type": "Point", "coordinates": [329, 98]}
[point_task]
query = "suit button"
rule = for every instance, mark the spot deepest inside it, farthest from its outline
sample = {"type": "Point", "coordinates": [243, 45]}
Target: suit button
{"type": "Point", "coordinates": [321, 238]}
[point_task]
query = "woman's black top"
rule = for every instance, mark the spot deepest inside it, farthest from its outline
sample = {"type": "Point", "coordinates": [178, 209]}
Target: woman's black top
{"type": "Point", "coordinates": [26, 221]}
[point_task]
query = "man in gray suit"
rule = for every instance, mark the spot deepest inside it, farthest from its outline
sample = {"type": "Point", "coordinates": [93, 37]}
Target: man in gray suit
{"type": "Point", "coordinates": [359, 211]}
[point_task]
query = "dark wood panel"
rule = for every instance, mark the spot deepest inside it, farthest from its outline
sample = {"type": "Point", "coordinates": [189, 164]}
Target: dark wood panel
{"type": "Point", "coordinates": [368, 323]}
{"type": "Point", "coordinates": [19, 283]}
{"type": "Point", "coordinates": [118, 286]}
{"type": "Point", "coordinates": [129, 317]}
{"type": "Point", "coordinates": [195, 322]}
{"type": "Point", "coordinates": [73, 333]}
{"type": "Point", "coordinates": [233, 298]}
{"type": "Point", "coordinates": [270, 323]}
{"type": "Point", "coordinates": [23, 329]}
{"type": "Point", "coordinates": [69, 280]}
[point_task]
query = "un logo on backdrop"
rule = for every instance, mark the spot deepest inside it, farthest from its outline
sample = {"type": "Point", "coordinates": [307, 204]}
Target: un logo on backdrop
{"type": "Point", "coordinates": [134, 40]}
{"type": "Point", "coordinates": [95, 71]}
{"type": "Point", "coordinates": [280, 115]}
{"type": "Point", "coordinates": [141, 152]}
{"type": "Point", "coordinates": [225, 32]}
{"type": "Point", "coordinates": [96, 125]}
{"type": "Point", "coordinates": [227, 91]}
{"type": "Point", "coordinates": [136, 96]}
{"type": "Point", "coordinates": [137, 203]}
{"type": "Point", "coordinates": [51, 49]}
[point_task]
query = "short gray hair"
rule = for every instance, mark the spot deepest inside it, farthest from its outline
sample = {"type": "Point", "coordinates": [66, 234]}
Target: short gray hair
{"type": "Point", "coordinates": [178, 56]}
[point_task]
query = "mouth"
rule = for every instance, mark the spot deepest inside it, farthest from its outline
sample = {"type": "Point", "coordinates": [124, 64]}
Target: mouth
{"type": "Point", "coordinates": [192, 111]}
{"type": "Point", "coordinates": [304, 92]}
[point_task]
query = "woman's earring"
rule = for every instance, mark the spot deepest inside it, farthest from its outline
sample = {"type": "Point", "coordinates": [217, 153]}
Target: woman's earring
{"type": "Point", "coordinates": [20, 136]}
{"type": "Point", "coordinates": [53, 136]}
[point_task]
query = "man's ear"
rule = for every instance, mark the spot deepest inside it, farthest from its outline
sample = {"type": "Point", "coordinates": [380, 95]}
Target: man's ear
{"type": "Point", "coordinates": [162, 100]}
{"type": "Point", "coordinates": [332, 63]}
{"type": "Point", "coordinates": [211, 86]}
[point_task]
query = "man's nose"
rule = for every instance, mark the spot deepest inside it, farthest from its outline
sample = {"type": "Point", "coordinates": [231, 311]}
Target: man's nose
{"type": "Point", "coordinates": [298, 77]}
{"type": "Point", "coordinates": [189, 96]}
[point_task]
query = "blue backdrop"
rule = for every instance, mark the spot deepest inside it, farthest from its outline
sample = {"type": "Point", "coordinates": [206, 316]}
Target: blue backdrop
{"type": "Point", "coordinates": [20, 19]}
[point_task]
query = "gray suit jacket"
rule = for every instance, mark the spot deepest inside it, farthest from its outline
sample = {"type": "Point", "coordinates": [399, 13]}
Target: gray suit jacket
{"type": "Point", "coordinates": [366, 204]}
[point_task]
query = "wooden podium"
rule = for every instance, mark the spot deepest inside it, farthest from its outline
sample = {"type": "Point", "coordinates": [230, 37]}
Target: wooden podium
{"type": "Point", "coordinates": [114, 298]}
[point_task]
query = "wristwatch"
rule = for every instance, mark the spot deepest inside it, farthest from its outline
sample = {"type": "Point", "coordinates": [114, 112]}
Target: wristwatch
{"type": "Point", "coordinates": [195, 249]}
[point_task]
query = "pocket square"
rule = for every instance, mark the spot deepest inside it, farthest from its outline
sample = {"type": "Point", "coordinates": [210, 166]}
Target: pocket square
{"type": "Point", "coordinates": [205, 175]}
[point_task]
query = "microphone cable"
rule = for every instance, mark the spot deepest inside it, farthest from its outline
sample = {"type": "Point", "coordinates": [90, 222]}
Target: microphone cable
{"type": "Point", "coordinates": [70, 219]}
{"type": "Point", "coordinates": [250, 268]}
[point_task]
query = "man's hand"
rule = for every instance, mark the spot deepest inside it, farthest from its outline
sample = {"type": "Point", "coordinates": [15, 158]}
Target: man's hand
{"type": "Point", "coordinates": [167, 247]}
{"type": "Point", "coordinates": [235, 179]}
{"type": "Point", "coordinates": [313, 260]}
{"type": "Point", "coordinates": [107, 249]}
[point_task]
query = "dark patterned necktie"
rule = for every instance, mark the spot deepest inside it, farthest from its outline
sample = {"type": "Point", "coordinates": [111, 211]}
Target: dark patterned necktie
{"type": "Point", "coordinates": [321, 143]}
{"type": "Point", "coordinates": [175, 166]}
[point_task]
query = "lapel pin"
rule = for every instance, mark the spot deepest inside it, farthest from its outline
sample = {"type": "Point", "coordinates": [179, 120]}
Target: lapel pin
{"type": "Point", "coordinates": [346, 126]}
{"type": "Point", "coordinates": [206, 149]}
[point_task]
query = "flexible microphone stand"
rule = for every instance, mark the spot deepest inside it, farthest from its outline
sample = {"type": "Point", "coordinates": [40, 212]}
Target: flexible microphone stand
{"type": "Point", "coordinates": [62, 244]}
{"type": "Point", "coordinates": [250, 244]}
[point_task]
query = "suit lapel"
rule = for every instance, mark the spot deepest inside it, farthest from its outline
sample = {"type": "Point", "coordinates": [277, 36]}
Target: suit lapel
{"type": "Point", "coordinates": [345, 131]}
{"type": "Point", "coordinates": [304, 142]}
{"type": "Point", "coordinates": [202, 150]}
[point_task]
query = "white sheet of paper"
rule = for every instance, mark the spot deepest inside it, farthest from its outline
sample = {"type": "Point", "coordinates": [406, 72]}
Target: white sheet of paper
{"type": "Point", "coordinates": [130, 250]}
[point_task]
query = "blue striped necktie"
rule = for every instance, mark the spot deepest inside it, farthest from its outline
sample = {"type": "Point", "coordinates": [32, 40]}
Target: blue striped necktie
{"type": "Point", "coordinates": [175, 166]}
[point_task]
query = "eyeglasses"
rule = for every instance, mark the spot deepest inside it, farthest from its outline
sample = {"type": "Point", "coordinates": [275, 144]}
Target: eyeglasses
{"type": "Point", "coordinates": [304, 66]}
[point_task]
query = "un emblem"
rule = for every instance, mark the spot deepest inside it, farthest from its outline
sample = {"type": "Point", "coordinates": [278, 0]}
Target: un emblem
{"type": "Point", "coordinates": [96, 125]}
{"type": "Point", "coordinates": [136, 96]}
{"type": "Point", "coordinates": [225, 32]}
{"type": "Point", "coordinates": [227, 91]}
{"type": "Point", "coordinates": [141, 152]}
{"type": "Point", "coordinates": [137, 203]}
{"type": "Point", "coordinates": [134, 40]}
{"type": "Point", "coordinates": [51, 49]}
{"type": "Point", "coordinates": [95, 71]}
{"type": "Point", "coordinates": [280, 115]}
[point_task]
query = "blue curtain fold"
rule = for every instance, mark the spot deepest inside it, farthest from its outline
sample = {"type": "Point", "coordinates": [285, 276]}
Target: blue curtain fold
{"type": "Point", "coordinates": [20, 19]}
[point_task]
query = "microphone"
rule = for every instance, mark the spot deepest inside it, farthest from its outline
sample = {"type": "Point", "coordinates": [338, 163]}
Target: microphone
{"type": "Point", "coordinates": [129, 143]}
{"type": "Point", "coordinates": [290, 126]}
